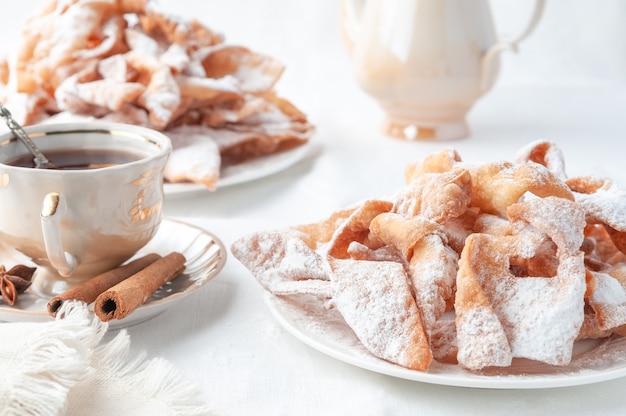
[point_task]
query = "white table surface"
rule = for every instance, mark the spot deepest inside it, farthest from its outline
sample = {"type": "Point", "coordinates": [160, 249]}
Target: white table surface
{"type": "Point", "coordinates": [568, 84]}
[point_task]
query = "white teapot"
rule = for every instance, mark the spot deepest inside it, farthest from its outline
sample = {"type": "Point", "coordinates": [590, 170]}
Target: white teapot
{"type": "Point", "coordinates": [425, 61]}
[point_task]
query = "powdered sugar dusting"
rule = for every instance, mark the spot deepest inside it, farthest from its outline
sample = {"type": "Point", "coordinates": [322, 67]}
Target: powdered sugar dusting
{"type": "Point", "coordinates": [481, 339]}
{"type": "Point", "coordinates": [607, 290]}
{"type": "Point", "coordinates": [378, 291]}
{"type": "Point", "coordinates": [562, 220]}
{"type": "Point", "coordinates": [433, 270]}
{"type": "Point", "coordinates": [170, 71]}
{"type": "Point", "coordinates": [543, 315]}
{"type": "Point", "coordinates": [515, 272]}
{"type": "Point", "coordinates": [608, 301]}
{"type": "Point", "coordinates": [326, 330]}
{"type": "Point", "coordinates": [606, 205]}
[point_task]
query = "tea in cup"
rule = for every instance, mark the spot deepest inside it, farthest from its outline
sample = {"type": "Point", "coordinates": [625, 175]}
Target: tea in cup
{"type": "Point", "coordinates": [95, 209]}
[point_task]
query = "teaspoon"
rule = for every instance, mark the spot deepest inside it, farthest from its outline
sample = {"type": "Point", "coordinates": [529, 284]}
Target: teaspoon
{"type": "Point", "coordinates": [41, 161]}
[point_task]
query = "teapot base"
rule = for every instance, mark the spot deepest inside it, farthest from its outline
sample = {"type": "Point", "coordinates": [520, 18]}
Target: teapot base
{"type": "Point", "coordinates": [419, 131]}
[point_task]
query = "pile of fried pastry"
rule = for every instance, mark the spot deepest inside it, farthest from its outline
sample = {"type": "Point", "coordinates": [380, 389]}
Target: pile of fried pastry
{"type": "Point", "coordinates": [129, 61]}
{"type": "Point", "coordinates": [475, 264]}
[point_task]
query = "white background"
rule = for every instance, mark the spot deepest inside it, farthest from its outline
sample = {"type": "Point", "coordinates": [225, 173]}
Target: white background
{"type": "Point", "coordinates": [568, 84]}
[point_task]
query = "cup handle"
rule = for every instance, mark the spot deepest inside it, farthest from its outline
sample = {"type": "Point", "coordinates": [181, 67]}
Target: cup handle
{"type": "Point", "coordinates": [51, 211]}
{"type": "Point", "coordinates": [508, 45]}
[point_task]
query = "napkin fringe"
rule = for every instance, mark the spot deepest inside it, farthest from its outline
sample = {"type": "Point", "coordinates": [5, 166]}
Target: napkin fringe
{"type": "Point", "coordinates": [68, 352]}
{"type": "Point", "coordinates": [155, 379]}
{"type": "Point", "coordinates": [61, 354]}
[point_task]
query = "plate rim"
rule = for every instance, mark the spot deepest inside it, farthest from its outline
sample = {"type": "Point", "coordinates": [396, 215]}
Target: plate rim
{"type": "Point", "coordinates": [459, 378]}
{"type": "Point", "coordinates": [282, 161]}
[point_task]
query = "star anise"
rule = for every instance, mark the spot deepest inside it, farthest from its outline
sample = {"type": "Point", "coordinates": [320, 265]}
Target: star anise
{"type": "Point", "coordinates": [15, 281]}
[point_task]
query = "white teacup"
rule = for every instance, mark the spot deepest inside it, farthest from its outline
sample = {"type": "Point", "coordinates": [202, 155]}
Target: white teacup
{"type": "Point", "coordinates": [76, 223]}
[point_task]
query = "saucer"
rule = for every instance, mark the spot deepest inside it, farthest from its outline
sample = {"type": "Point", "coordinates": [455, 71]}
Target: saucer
{"type": "Point", "coordinates": [205, 254]}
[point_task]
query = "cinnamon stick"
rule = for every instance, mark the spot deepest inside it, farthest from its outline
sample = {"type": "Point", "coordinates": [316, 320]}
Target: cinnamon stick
{"type": "Point", "coordinates": [126, 296]}
{"type": "Point", "coordinates": [89, 290]}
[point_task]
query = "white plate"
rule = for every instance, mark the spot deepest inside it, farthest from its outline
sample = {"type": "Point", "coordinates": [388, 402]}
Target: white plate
{"type": "Point", "coordinates": [325, 330]}
{"type": "Point", "coordinates": [245, 172]}
{"type": "Point", "coordinates": [205, 255]}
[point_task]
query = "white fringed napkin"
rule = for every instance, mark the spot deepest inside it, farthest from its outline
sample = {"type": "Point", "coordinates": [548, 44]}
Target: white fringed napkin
{"type": "Point", "coordinates": [62, 367]}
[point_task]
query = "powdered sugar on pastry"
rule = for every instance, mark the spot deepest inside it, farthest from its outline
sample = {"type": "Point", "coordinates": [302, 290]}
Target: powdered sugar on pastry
{"type": "Point", "coordinates": [431, 263]}
{"type": "Point", "coordinates": [516, 262]}
{"type": "Point", "coordinates": [283, 264]}
{"type": "Point", "coordinates": [195, 157]}
{"type": "Point", "coordinates": [603, 199]}
{"type": "Point", "coordinates": [443, 341]}
{"type": "Point", "coordinates": [545, 153]}
{"type": "Point", "coordinates": [131, 61]}
{"type": "Point", "coordinates": [559, 219]}
{"type": "Point", "coordinates": [357, 228]}
{"type": "Point", "coordinates": [256, 73]}
{"type": "Point", "coordinates": [547, 313]}
{"type": "Point", "coordinates": [439, 162]}
{"type": "Point", "coordinates": [437, 196]}
{"type": "Point", "coordinates": [432, 270]}
{"type": "Point", "coordinates": [608, 301]}
{"type": "Point", "coordinates": [541, 316]}
{"type": "Point", "coordinates": [481, 323]}
{"type": "Point", "coordinates": [497, 185]}
{"type": "Point", "coordinates": [359, 251]}
{"type": "Point", "coordinates": [375, 300]}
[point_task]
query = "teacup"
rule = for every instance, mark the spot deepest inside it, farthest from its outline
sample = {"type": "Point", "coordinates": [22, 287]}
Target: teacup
{"type": "Point", "coordinates": [96, 209]}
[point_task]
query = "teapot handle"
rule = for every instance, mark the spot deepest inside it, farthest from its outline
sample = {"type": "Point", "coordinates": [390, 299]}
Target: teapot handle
{"type": "Point", "coordinates": [508, 45]}
{"type": "Point", "coordinates": [350, 14]}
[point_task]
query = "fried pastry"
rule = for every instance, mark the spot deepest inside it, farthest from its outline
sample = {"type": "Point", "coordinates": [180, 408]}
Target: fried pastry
{"type": "Point", "coordinates": [254, 72]}
{"type": "Point", "coordinates": [437, 196]}
{"type": "Point", "coordinates": [358, 251]}
{"type": "Point", "coordinates": [480, 337]}
{"type": "Point", "coordinates": [357, 228]}
{"type": "Point", "coordinates": [545, 153]}
{"type": "Point", "coordinates": [373, 296]}
{"type": "Point", "coordinates": [600, 250]}
{"type": "Point", "coordinates": [193, 157]}
{"type": "Point", "coordinates": [129, 61]}
{"type": "Point", "coordinates": [443, 342]}
{"type": "Point", "coordinates": [591, 329]}
{"type": "Point", "coordinates": [474, 265]}
{"type": "Point", "coordinates": [526, 309]}
{"type": "Point", "coordinates": [316, 235]}
{"type": "Point", "coordinates": [402, 233]}
{"type": "Point", "coordinates": [608, 298]}
{"type": "Point", "coordinates": [432, 270]}
{"type": "Point", "coordinates": [605, 203]}
{"type": "Point", "coordinates": [374, 299]}
{"type": "Point", "coordinates": [439, 162]}
{"type": "Point", "coordinates": [497, 185]}
{"type": "Point", "coordinates": [431, 263]}
{"type": "Point", "coordinates": [283, 264]}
